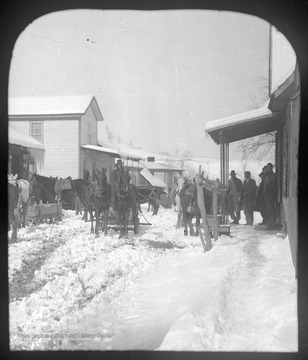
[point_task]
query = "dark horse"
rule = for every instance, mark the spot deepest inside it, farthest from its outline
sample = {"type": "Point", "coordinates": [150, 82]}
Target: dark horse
{"type": "Point", "coordinates": [150, 195]}
{"type": "Point", "coordinates": [127, 199]}
{"type": "Point", "coordinates": [190, 208]}
{"type": "Point", "coordinates": [98, 200]}
{"type": "Point", "coordinates": [42, 188]}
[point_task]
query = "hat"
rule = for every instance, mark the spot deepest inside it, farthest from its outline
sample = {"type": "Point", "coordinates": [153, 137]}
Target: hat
{"type": "Point", "coordinates": [119, 161]}
{"type": "Point", "coordinates": [232, 172]}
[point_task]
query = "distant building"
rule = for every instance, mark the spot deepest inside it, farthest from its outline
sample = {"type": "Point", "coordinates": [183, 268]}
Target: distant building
{"type": "Point", "coordinates": [67, 128]}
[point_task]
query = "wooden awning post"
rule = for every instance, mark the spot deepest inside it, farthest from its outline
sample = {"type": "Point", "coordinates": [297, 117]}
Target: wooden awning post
{"type": "Point", "coordinates": [200, 199]}
{"type": "Point", "coordinates": [215, 210]}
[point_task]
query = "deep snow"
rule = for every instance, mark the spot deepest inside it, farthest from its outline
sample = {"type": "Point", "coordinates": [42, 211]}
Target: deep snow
{"type": "Point", "coordinates": [156, 290]}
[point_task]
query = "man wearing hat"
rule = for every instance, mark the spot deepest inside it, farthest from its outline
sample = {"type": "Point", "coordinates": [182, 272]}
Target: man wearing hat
{"type": "Point", "coordinates": [260, 200]}
{"type": "Point", "coordinates": [248, 197]}
{"type": "Point", "coordinates": [270, 195]}
{"type": "Point", "coordinates": [234, 191]}
{"type": "Point", "coordinates": [114, 180]}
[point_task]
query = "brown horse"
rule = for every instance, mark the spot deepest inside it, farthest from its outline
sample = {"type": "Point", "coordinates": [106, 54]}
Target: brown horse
{"type": "Point", "coordinates": [127, 201]}
{"type": "Point", "coordinates": [190, 208]}
{"type": "Point", "coordinates": [98, 200]}
{"type": "Point", "coordinates": [43, 188]}
{"type": "Point", "coordinates": [150, 195]}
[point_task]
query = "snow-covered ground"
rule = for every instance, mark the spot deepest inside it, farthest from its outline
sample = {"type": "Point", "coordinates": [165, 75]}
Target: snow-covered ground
{"type": "Point", "coordinates": [156, 290]}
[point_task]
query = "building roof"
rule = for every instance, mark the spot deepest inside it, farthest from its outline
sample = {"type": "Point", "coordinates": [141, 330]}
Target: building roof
{"type": "Point", "coordinates": [152, 165]}
{"type": "Point", "coordinates": [101, 149]}
{"type": "Point", "coordinates": [153, 180]}
{"type": "Point", "coordinates": [52, 105]}
{"type": "Point", "coordinates": [17, 137]}
{"type": "Point", "coordinates": [243, 125]}
{"type": "Point", "coordinates": [259, 121]}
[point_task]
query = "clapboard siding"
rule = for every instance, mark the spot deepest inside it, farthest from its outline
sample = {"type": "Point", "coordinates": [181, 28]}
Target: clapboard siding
{"type": "Point", "coordinates": [62, 148]}
{"type": "Point", "coordinates": [88, 137]}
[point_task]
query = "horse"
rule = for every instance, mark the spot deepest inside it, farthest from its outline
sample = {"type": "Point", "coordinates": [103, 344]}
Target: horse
{"type": "Point", "coordinates": [43, 188]}
{"type": "Point", "coordinates": [98, 200]}
{"type": "Point", "coordinates": [13, 192]}
{"type": "Point", "coordinates": [126, 199]}
{"type": "Point", "coordinates": [80, 187]}
{"type": "Point", "coordinates": [190, 208]}
{"type": "Point", "coordinates": [150, 195]}
{"type": "Point", "coordinates": [176, 195]}
{"type": "Point", "coordinates": [24, 195]}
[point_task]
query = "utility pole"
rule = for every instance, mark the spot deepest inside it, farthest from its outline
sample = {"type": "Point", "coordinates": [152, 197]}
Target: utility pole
{"type": "Point", "coordinates": [270, 54]}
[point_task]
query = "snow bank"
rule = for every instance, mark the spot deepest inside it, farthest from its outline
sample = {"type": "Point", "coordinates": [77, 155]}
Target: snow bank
{"type": "Point", "coordinates": [156, 290]}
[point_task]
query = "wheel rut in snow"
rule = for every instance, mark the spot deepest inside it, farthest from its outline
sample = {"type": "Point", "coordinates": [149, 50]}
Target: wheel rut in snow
{"type": "Point", "coordinates": [22, 284]}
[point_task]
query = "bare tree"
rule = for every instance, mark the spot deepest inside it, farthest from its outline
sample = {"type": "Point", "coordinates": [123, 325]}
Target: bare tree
{"type": "Point", "coordinates": [110, 134]}
{"type": "Point", "coordinates": [257, 147]}
{"type": "Point", "coordinates": [263, 145]}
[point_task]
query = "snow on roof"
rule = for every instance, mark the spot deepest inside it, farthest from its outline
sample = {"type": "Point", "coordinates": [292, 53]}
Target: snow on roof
{"type": "Point", "coordinates": [17, 137]}
{"type": "Point", "coordinates": [101, 149]}
{"type": "Point", "coordinates": [153, 180]}
{"type": "Point", "coordinates": [284, 78]}
{"type": "Point", "coordinates": [151, 165]}
{"type": "Point", "coordinates": [238, 119]}
{"type": "Point", "coordinates": [50, 105]}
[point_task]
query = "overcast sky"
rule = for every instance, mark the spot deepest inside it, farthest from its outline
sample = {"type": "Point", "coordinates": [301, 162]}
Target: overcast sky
{"type": "Point", "coordinates": [158, 76]}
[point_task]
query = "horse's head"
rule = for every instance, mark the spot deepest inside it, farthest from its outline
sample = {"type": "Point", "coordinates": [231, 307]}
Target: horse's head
{"type": "Point", "coordinates": [101, 180]}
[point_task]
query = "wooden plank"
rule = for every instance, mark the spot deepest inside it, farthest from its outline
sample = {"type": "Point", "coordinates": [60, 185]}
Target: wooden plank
{"type": "Point", "coordinates": [200, 199]}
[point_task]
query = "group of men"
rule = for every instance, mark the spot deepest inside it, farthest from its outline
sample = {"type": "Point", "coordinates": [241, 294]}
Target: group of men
{"type": "Point", "coordinates": [252, 198]}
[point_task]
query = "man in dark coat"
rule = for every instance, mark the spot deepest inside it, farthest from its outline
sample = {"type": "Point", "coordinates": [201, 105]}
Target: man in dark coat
{"type": "Point", "coordinates": [270, 195]}
{"type": "Point", "coordinates": [114, 181]}
{"type": "Point", "coordinates": [260, 200]}
{"type": "Point", "coordinates": [234, 191]}
{"type": "Point", "coordinates": [248, 197]}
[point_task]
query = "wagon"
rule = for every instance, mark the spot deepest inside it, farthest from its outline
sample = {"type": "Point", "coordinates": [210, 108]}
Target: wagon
{"type": "Point", "coordinates": [40, 212]}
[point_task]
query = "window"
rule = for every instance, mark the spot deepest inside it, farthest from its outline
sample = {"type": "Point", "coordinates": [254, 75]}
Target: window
{"type": "Point", "coordinates": [36, 130]}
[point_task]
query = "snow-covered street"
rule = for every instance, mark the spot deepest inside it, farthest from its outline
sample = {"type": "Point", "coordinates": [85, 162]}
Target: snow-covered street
{"type": "Point", "coordinates": [156, 290]}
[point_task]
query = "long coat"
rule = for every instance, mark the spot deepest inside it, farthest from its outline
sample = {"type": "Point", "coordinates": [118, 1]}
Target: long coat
{"type": "Point", "coordinates": [249, 190]}
{"type": "Point", "coordinates": [260, 200]}
{"type": "Point", "coordinates": [233, 194]}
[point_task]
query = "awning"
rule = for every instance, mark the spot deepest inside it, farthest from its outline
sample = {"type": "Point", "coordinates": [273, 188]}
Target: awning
{"type": "Point", "coordinates": [153, 180]}
{"type": "Point", "coordinates": [105, 150]}
{"type": "Point", "coordinates": [244, 125]}
{"type": "Point", "coordinates": [20, 138]}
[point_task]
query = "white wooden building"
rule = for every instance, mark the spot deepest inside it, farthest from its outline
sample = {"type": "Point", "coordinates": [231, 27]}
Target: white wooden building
{"type": "Point", "coordinates": [67, 126]}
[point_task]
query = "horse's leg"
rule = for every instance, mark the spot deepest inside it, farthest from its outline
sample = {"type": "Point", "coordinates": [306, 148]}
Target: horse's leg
{"type": "Point", "coordinates": [106, 221]}
{"type": "Point", "coordinates": [97, 215]}
{"type": "Point", "coordinates": [91, 217]}
{"type": "Point", "coordinates": [127, 212]}
{"type": "Point", "coordinates": [185, 222]}
{"type": "Point", "coordinates": [121, 221]}
{"type": "Point", "coordinates": [191, 228]}
{"type": "Point", "coordinates": [24, 212]}
{"type": "Point", "coordinates": [135, 220]}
